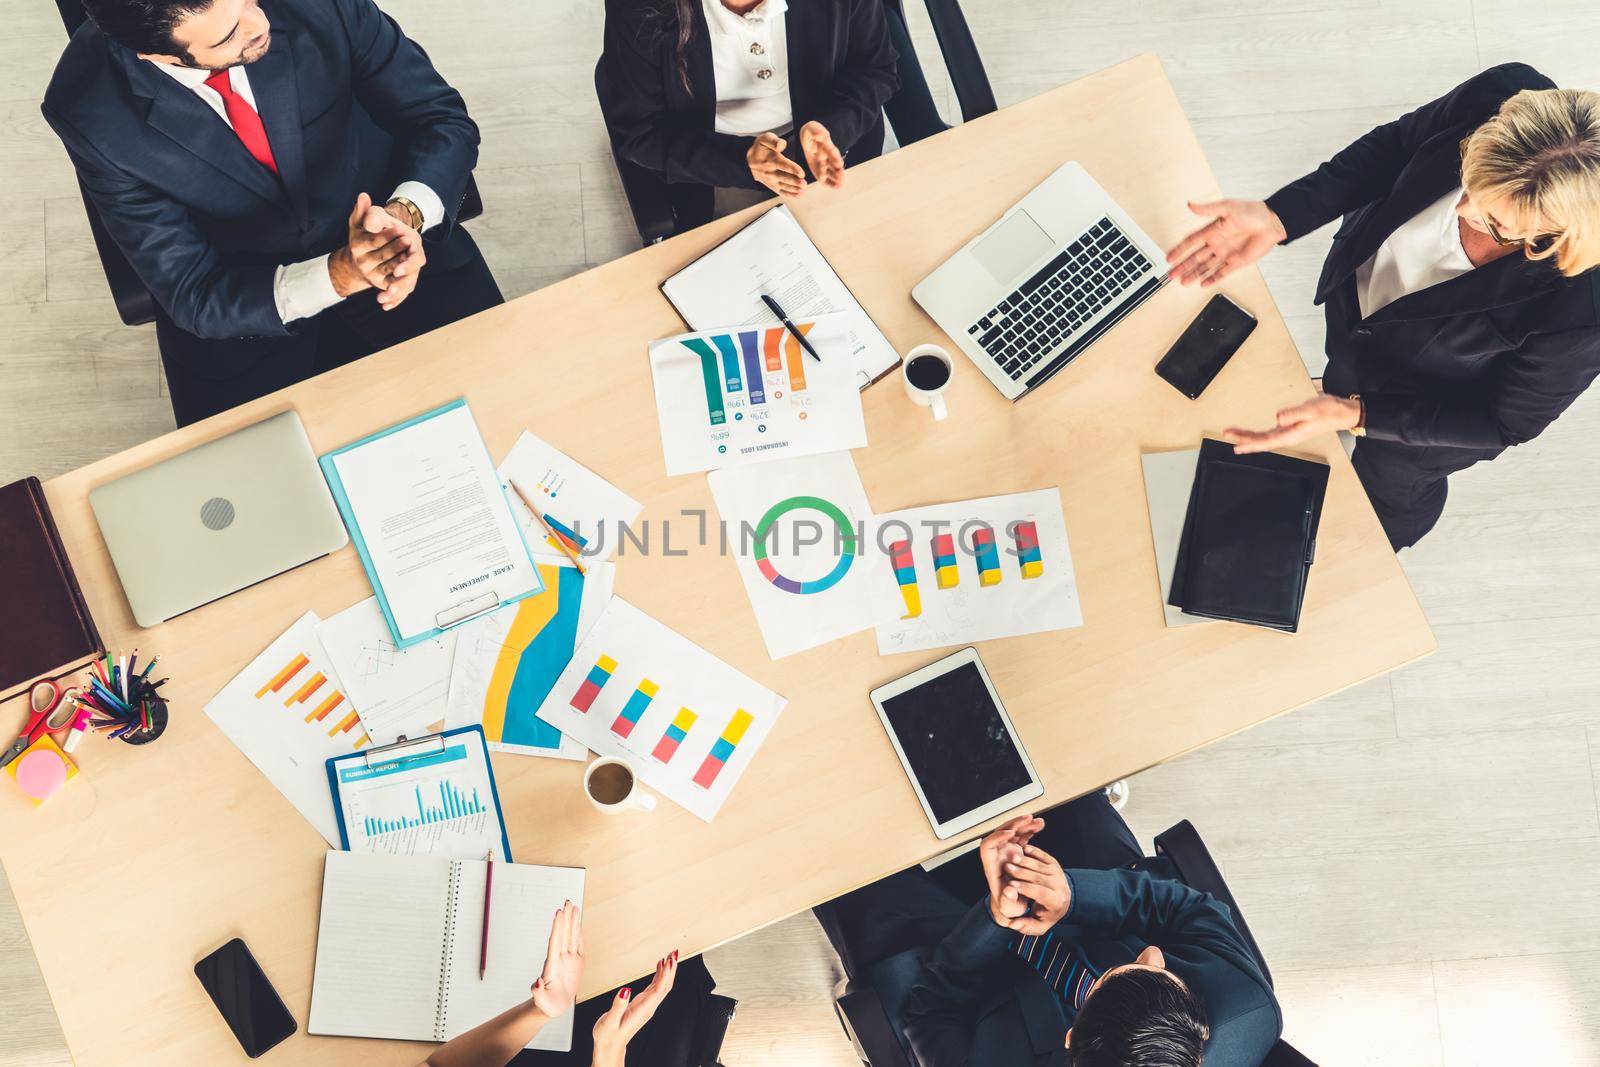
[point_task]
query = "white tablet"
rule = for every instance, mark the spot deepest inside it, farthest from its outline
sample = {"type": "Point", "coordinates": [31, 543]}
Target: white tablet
{"type": "Point", "coordinates": [956, 743]}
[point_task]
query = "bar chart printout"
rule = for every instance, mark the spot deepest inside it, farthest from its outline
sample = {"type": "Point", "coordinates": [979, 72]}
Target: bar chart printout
{"type": "Point", "coordinates": [433, 803]}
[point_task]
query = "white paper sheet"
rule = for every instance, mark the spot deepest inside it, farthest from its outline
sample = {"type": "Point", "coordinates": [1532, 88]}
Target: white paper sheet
{"type": "Point", "coordinates": [288, 713]}
{"type": "Point", "coordinates": [1168, 481]}
{"type": "Point", "coordinates": [732, 397]}
{"type": "Point", "coordinates": [774, 256]}
{"type": "Point", "coordinates": [577, 502]}
{"type": "Point", "coordinates": [810, 579]}
{"type": "Point", "coordinates": [507, 662]}
{"type": "Point", "coordinates": [436, 523]}
{"type": "Point", "coordinates": [688, 722]}
{"type": "Point", "coordinates": [979, 594]}
{"type": "Point", "coordinates": [400, 692]}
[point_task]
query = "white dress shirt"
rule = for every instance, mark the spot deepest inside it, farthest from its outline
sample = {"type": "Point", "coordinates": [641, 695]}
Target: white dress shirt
{"type": "Point", "coordinates": [303, 289]}
{"type": "Point", "coordinates": [750, 63]}
{"type": "Point", "coordinates": [1424, 250]}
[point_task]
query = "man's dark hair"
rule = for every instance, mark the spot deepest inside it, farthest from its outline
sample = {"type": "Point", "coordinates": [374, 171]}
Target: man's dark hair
{"type": "Point", "coordinates": [144, 25]}
{"type": "Point", "coordinates": [1139, 1018]}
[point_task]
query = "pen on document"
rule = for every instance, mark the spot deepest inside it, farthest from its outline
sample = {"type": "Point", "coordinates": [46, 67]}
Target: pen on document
{"type": "Point", "coordinates": [483, 944]}
{"type": "Point", "coordinates": [777, 309]}
{"type": "Point", "coordinates": [560, 542]}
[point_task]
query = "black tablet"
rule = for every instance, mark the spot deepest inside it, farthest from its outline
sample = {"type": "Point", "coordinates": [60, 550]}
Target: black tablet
{"type": "Point", "coordinates": [956, 743]}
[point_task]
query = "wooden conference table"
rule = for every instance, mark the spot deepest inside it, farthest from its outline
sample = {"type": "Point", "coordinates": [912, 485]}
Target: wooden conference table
{"type": "Point", "coordinates": [155, 856]}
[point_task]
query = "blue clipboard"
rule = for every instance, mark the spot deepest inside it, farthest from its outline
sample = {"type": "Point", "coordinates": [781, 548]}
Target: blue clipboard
{"type": "Point", "coordinates": [413, 748]}
{"type": "Point", "coordinates": [330, 472]}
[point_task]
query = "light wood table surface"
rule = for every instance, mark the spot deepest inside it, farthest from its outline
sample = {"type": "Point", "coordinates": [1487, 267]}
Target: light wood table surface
{"type": "Point", "coordinates": [155, 856]}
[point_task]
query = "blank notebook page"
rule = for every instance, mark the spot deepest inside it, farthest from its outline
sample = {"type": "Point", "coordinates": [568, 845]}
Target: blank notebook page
{"type": "Point", "coordinates": [379, 948]}
{"type": "Point", "coordinates": [525, 901]}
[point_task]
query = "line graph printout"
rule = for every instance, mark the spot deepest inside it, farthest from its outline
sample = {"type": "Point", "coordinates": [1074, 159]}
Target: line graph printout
{"type": "Point", "coordinates": [400, 692]}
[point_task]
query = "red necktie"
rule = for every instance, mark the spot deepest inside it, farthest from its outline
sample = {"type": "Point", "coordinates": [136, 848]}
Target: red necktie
{"type": "Point", "coordinates": [246, 123]}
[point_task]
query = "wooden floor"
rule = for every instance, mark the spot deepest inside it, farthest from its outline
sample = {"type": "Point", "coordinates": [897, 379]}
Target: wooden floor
{"type": "Point", "coordinates": [1419, 857]}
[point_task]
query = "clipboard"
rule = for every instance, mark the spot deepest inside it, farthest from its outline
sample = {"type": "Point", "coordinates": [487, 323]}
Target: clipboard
{"type": "Point", "coordinates": [414, 751]}
{"type": "Point", "coordinates": [452, 615]}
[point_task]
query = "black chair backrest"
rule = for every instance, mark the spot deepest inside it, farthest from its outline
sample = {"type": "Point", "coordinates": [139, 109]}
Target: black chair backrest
{"type": "Point", "coordinates": [72, 14]}
{"type": "Point", "coordinates": [1180, 845]}
{"type": "Point", "coordinates": [967, 76]}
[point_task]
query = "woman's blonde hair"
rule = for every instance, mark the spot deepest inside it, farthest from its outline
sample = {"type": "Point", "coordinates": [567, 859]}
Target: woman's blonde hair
{"type": "Point", "coordinates": [1538, 160]}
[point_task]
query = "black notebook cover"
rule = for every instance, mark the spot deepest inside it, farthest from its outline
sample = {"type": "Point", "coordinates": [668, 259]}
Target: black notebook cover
{"type": "Point", "coordinates": [1249, 537]}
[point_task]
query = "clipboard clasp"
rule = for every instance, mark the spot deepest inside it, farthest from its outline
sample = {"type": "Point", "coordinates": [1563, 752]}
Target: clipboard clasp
{"type": "Point", "coordinates": [405, 747]}
{"type": "Point", "coordinates": [470, 608]}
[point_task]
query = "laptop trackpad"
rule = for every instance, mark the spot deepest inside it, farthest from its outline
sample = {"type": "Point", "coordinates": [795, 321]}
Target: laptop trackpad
{"type": "Point", "coordinates": [1012, 247]}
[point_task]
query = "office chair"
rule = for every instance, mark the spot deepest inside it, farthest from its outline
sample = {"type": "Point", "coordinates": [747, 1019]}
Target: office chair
{"type": "Point", "coordinates": [1180, 854]}
{"type": "Point", "coordinates": [135, 305]}
{"type": "Point", "coordinates": [687, 1031]}
{"type": "Point", "coordinates": [655, 202]}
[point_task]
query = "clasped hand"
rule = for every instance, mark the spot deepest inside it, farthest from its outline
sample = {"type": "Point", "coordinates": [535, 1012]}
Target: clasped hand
{"type": "Point", "coordinates": [381, 252]}
{"type": "Point", "coordinates": [1028, 890]}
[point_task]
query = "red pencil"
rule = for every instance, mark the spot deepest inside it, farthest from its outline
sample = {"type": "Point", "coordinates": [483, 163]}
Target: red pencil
{"type": "Point", "coordinates": [483, 946]}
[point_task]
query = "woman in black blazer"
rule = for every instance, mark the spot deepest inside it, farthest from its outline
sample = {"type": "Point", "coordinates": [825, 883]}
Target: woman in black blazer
{"type": "Point", "coordinates": [1462, 303]}
{"type": "Point", "coordinates": [658, 91]}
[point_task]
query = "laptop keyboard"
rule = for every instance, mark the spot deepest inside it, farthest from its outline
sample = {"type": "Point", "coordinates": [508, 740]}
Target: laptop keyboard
{"type": "Point", "coordinates": [1047, 309]}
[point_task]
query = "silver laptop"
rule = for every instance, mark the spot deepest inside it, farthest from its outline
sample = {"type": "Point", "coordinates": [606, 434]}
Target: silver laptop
{"type": "Point", "coordinates": [217, 518]}
{"type": "Point", "coordinates": [1031, 292]}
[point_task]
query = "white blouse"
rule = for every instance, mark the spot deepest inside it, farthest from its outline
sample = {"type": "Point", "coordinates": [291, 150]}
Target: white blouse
{"type": "Point", "coordinates": [1423, 251]}
{"type": "Point", "coordinates": [750, 62]}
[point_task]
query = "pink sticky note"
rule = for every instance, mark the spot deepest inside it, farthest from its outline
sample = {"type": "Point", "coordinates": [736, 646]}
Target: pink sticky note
{"type": "Point", "coordinates": [41, 773]}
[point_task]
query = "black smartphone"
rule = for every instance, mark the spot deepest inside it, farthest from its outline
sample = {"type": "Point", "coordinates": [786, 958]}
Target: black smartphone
{"type": "Point", "coordinates": [1206, 346]}
{"type": "Point", "coordinates": [252, 1008]}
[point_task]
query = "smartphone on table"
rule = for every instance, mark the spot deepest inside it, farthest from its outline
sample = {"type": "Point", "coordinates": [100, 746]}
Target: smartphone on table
{"type": "Point", "coordinates": [1206, 346]}
{"type": "Point", "coordinates": [248, 1003]}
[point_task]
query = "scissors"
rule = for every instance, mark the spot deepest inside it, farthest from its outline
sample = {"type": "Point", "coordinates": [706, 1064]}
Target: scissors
{"type": "Point", "coordinates": [54, 709]}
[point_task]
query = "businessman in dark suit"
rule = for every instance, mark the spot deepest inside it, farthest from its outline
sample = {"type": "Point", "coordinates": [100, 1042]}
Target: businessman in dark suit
{"type": "Point", "coordinates": [235, 151]}
{"type": "Point", "coordinates": [1085, 961]}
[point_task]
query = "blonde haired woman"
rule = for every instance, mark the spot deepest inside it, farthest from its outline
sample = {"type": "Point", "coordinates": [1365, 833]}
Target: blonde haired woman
{"type": "Point", "coordinates": [1462, 303]}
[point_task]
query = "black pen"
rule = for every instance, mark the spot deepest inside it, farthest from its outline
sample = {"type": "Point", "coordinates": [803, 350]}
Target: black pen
{"type": "Point", "coordinates": [776, 309]}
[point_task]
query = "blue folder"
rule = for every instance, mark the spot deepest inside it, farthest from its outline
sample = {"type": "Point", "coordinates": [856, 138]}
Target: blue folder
{"type": "Point", "coordinates": [336, 486]}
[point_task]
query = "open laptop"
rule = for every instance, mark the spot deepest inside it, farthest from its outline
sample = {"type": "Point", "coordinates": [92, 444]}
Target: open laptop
{"type": "Point", "coordinates": [217, 518]}
{"type": "Point", "coordinates": [1059, 269]}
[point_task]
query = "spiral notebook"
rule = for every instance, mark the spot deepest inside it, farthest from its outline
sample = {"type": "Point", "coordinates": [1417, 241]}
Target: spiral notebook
{"type": "Point", "coordinates": [397, 947]}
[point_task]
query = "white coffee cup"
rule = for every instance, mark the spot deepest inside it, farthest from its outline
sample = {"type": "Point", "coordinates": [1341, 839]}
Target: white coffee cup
{"type": "Point", "coordinates": [616, 799]}
{"type": "Point", "coordinates": [929, 388]}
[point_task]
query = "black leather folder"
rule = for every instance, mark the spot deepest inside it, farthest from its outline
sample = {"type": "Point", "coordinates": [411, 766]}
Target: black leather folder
{"type": "Point", "coordinates": [1249, 537]}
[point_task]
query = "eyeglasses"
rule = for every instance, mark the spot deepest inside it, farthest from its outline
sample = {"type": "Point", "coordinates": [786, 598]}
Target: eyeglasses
{"type": "Point", "coordinates": [1537, 244]}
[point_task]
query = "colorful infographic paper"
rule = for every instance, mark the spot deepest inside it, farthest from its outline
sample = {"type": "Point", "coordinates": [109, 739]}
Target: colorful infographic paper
{"type": "Point", "coordinates": [583, 509]}
{"type": "Point", "coordinates": [400, 692]}
{"type": "Point", "coordinates": [287, 712]}
{"type": "Point", "coordinates": [976, 570]}
{"type": "Point", "coordinates": [506, 663]}
{"type": "Point", "coordinates": [748, 394]}
{"type": "Point", "coordinates": [800, 532]}
{"type": "Point", "coordinates": [436, 802]}
{"type": "Point", "coordinates": [688, 722]}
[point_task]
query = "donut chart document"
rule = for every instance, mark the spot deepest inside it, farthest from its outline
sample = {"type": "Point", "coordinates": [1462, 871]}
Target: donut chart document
{"type": "Point", "coordinates": [800, 532]}
{"type": "Point", "coordinates": [689, 723]}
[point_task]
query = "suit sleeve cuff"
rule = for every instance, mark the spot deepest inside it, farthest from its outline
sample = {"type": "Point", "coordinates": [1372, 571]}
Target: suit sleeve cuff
{"type": "Point", "coordinates": [1384, 417]}
{"type": "Point", "coordinates": [1290, 211]}
{"type": "Point", "coordinates": [426, 199]}
{"type": "Point", "coordinates": [301, 290]}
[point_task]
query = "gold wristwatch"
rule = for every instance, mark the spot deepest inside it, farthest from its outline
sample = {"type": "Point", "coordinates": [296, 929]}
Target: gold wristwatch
{"type": "Point", "coordinates": [411, 209]}
{"type": "Point", "coordinates": [1360, 428]}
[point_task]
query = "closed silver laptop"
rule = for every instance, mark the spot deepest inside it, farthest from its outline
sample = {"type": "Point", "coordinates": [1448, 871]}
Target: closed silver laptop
{"type": "Point", "coordinates": [217, 518]}
{"type": "Point", "coordinates": [1053, 274]}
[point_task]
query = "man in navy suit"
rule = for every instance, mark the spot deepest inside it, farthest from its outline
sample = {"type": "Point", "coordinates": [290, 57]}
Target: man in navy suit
{"type": "Point", "coordinates": [235, 151]}
{"type": "Point", "coordinates": [1086, 955]}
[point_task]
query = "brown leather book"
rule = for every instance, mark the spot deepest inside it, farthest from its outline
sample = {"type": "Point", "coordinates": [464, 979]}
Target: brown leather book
{"type": "Point", "coordinates": [47, 626]}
